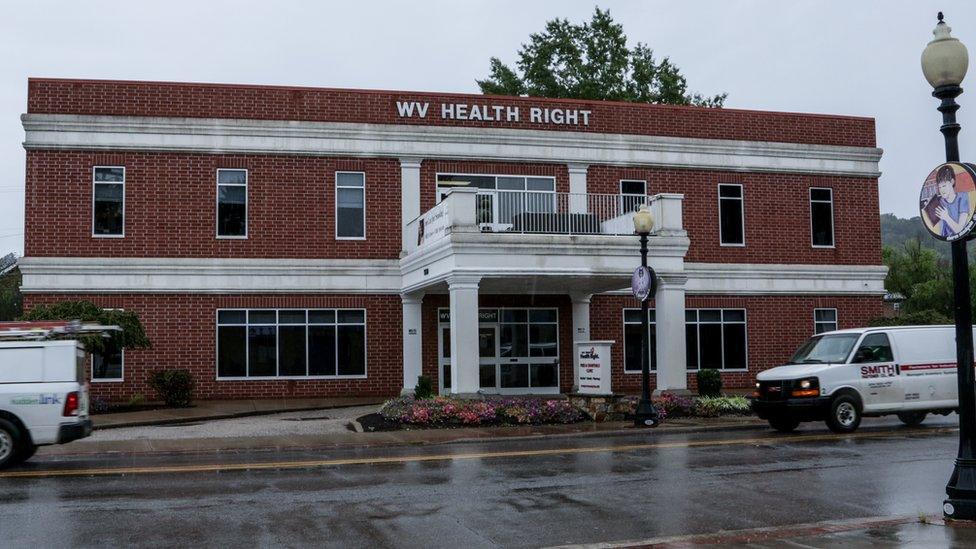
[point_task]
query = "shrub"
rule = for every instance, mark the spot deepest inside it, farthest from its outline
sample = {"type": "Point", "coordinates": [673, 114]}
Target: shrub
{"type": "Point", "coordinates": [137, 399]}
{"type": "Point", "coordinates": [174, 387]}
{"type": "Point", "coordinates": [709, 382]}
{"type": "Point", "coordinates": [424, 388]}
{"type": "Point", "coordinates": [722, 406]}
{"type": "Point", "coordinates": [675, 405]}
{"type": "Point", "coordinates": [442, 411]}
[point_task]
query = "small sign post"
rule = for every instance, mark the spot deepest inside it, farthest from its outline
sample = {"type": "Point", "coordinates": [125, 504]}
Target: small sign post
{"type": "Point", "coordinates": [594, 367]}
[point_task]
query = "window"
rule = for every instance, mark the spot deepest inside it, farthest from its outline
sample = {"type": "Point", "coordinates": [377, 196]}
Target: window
{"type": "Point", "coordinates": [632, 194]}
{"type": "Point", "coordinates": [632, 340]}
{"type": "Point", "coordinates": [290, 343]}
{"type": "Point", "coordinates": [232, 203]}
{"type": "Point", "coordinates": [716, 338]}
{"type": "Point", "coordinates": [822, 217]}
{"type": "Point", "coordinates": [503, 198]}
{"type": "Point", "coordinates": [108, 201]}
{"type": "Point", "coordinates": [730, 217]}
{"type": "Point", "coordinates": [351, 205]}
{"type": "Point", "coordinates": [874, 348]}
{"type": "Point", "coordinates": [109, 364]}
{"type": "Point", "coordinates": [824, 320]}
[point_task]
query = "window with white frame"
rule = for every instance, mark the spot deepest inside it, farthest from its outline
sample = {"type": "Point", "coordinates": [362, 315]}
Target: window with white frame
{"type": "Point", "coordinates": [108, 365]}
{"type": "Point", "coordinates": [350, 205]}
{"type": "Point", "coordinates": [731, 219]}
{"type": "Point", "coordinates": [231, 203]}
{"type": "Point", "coordinates": [822, 217]}
{"type": "Point", "coordinates": [503, 197]}
{"type": "Point", "coordinates": [632, 340]}
{"type": "Point", "coordinates": [633, 193]}
{"type": "Point", "coordinates": [716, 338]}
{"type": "Point", "coordinates": [824, 320]}
{"type": "Point", "coordinates": [108, 201]}
{"type": "Point", "coordinates": [289, 343]}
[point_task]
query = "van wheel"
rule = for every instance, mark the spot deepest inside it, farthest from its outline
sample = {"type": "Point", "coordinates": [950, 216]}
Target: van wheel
{"type": "Point", "coordinates": [845, 414]}
{"type": "Point", "coordinates": [912, 418]}
{"type": "Point", "coordinates": [9, 443]}
{"type": "Point", "coordinates": [784, 424]}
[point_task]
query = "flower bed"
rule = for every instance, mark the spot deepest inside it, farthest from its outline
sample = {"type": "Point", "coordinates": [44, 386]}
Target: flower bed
{"type": "Point", "coordinates": [453, 412]}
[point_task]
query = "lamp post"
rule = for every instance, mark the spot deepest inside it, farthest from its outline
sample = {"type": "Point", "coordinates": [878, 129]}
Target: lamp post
{"type": "Point", "coordinates": [646, 415]}
{"type": "Point", "coordinates": [944, 63]}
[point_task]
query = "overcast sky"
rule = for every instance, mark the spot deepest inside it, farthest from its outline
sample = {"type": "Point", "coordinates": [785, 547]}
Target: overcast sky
{"type": "Point", "coordinates": [838, 57]}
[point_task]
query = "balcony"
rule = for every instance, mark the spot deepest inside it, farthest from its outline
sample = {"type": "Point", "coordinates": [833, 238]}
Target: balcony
{"type": "Point", "coordinates": [536, 242]}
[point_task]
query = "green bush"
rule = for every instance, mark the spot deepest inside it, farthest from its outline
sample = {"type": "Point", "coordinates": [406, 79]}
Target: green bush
{"type": "Point", "coordinates": [722, 406]}
{"type": "Point", "coordinates": [174, 387]}
{"type": "Point", "coordinates": [917, 318]}
{"type": "Point", "coordinates": [424, 388]}
{"type": "Point", "coordinates": [709, 382]}
{"type": "Point", "coordinates": [137, 399]}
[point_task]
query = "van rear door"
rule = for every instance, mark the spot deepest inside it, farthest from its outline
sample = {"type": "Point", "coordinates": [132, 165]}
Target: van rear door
{"type": "Point", "coordinates": [881, 386]}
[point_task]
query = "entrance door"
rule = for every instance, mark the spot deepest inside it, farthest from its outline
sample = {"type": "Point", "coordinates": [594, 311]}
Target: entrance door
{"type": "Point", "coordinates": [488, 356]}
{"type": "Point", "coordinates": [444, 360]}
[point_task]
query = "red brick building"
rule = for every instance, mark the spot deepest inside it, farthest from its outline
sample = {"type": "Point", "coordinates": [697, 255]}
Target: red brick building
{"type": "Point", "coordinates": [281, 241]}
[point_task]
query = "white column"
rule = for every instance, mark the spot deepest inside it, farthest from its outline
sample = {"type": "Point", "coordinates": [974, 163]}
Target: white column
{"type": "Point", "coordinates": [409, 195]}
{"type": "Point", "coordinates": [669, 307]}
{"type": "Point", "coordinates": [464, 333]}
{"type": "Point", "coordinates": [412, 339]}
{"type": "Point", "coordinates": [581, 328]}
{"type": "Point", "coordinates": [577, 188]}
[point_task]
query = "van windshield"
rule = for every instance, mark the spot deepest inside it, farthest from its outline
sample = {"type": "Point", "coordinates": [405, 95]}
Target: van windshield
{"type": "Point", "coordinates": [824, 349]}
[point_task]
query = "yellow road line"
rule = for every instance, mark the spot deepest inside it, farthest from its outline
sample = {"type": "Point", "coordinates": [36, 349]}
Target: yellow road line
{"type": "Point", "coordinates": [304, 464]}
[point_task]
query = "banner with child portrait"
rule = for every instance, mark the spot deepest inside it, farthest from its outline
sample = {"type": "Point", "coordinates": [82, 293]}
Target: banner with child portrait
{"type": "Point", "coordinates": [948, 200]}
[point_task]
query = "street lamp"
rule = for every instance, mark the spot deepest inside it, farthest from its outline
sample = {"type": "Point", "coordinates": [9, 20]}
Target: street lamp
{"type": "Point", "coordinates": [944, 63]}
{"type": "Point", "coordinates": [646, 415]}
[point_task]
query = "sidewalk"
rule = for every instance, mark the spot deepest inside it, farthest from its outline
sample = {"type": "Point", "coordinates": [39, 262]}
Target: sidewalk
{"type": "Point", "coordinates": [207, 410]}
{"type": "Point", "coordinates": [336, 432]}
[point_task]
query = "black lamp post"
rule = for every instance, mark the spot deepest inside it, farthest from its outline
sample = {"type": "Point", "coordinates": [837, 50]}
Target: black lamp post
{"type": "Point", "coordinates": [944, 63]}
{"type": "Point", "coordinates": [646, 415]}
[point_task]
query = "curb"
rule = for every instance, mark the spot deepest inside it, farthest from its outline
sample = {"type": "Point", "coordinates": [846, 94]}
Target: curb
{"type": "Point", "coordinates": [229, 415]}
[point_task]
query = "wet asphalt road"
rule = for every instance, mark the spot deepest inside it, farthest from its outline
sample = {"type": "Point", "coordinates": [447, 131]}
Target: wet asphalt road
{"type": "Point", "coordinates": [503, 493]}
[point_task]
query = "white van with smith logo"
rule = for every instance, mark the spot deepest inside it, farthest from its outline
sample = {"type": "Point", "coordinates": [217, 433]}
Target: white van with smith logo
{"type": "Point", "coordinates": [841, 376]}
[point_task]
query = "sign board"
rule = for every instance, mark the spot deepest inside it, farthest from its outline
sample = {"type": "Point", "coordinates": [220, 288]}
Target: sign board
{"type": "Point", "coordinates": [948, 200]}
{"type": "Point", "coordinates": [593, 373]}
{"type": "Point", "coordinates": [642, 283]}
{"type": "Point", "coordinates": [433, 225]}
{"type": "Point", "coordinates": [487, 112]}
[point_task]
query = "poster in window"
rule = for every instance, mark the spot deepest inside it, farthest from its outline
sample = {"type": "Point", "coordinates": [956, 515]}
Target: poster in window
{"type": "Point", "coordinates": [947, 201]}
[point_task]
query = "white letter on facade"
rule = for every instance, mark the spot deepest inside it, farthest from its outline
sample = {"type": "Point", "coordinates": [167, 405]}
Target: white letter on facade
{"type": "Point", "coordinates": [535, 115]}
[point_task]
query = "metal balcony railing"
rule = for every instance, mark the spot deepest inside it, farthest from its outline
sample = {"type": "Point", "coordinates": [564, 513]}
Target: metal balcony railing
{"type": "Point", "coordinates": [556, 213]}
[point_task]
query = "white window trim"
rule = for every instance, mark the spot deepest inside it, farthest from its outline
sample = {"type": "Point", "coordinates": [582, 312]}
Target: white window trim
{"type": "Point", "coordinates": [94, 235]}
{"type": "Point", "coordinates": [336, 197]}
{"type": "Point", "coordinates": [836, 321]}
{"type": "Point", "coordinates": [247, 204]}
{"type": "Point", "coordinates": [620, 189]}
{"type": "Point", "coordinates": [247, 343]}
{"type": "Point", "coordinates": [623, 335]}
{"type": "Point", "coordinates": [742, 216]}
{"type": "Point", "coordinates": [437, 187]}
{"type": "Point", "coordinates": [833, 228]}
{"type": "Point", "coordinates": [744, 322]}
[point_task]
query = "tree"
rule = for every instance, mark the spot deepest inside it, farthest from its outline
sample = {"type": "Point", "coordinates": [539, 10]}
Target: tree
{"type": "Point", "coordinates": [11, 303]}
{"type": "Point", "coordinates": [592, 61]}
{"type": "Point", "coordinates": [132, 336]}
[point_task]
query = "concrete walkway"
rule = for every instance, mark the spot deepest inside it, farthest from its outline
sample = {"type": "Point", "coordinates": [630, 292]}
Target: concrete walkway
{"type": "Point", "coordinates": [286, 431]}
{"type": "Point", "coordinates": [207, 410]}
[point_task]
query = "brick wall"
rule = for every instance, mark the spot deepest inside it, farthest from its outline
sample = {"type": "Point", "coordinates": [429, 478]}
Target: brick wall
{"type": "Point", "coordinates": [777, 214]}
{"type": "Point", "coordinates": [105, 97]}
{"type": "Point", "coordinates": [182, 329]}
{"type": "Point", "coordinates": [775, 328]}
{"type": "Point", "coordinates": [170, 206]}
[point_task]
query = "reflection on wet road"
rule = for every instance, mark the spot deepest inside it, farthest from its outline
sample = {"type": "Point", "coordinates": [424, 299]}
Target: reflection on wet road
{"type": "Point", "coordinates": [507, 493]}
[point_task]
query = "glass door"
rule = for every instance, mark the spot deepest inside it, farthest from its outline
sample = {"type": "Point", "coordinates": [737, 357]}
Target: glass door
{"type": "Point", "coordinates": [444, 360]}
{"type": "Point", "coordinates": [488, 356]}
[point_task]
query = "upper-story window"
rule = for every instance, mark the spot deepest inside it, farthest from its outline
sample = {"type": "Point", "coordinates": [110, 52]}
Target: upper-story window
{"type": "Point", "coordinates": [824, 320]}
{"type": "Point", "coordinates": [350, 205]}
{"type": "Point", "coordinates": [108, 201]}
{"type": "Point", "coordinates": [231, 203]}
{"type": "Point", "coordinates": [822, 217]}
{"type": "Point", "coordinates": [732, 230]}
{"type": "Point", "coordinates": [503, 199]}
{"type": "Point", "coordinates": [632, 194]}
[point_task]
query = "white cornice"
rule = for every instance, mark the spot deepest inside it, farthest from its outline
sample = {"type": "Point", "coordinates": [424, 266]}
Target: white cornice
{"type": "Point", "coordinates": [767, 279]}
{"type": "Point", "coordinates": [127, 133]}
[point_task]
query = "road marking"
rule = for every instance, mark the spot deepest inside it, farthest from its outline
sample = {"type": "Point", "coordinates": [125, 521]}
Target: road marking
{"type": "Point", "coordinates": [379, 460]}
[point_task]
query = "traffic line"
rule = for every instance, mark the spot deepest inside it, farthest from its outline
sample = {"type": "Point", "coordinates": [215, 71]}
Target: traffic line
{"type": "Point", "coordinates": [380, 460]}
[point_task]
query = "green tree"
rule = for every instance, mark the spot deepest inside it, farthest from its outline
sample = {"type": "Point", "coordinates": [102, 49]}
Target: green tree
{"type": "Point", "coordinates": [592, 61]}
{"type": "Point", "coordinates": [132, 336]}
{"type": "Point", "coordinates": [11, 302]}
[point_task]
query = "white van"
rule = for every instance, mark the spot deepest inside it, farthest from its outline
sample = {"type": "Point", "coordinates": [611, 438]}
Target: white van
{"type": "Point", "coordinates": [840, 376]}
{"type": "Point", "coordinates": [43, 396]}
